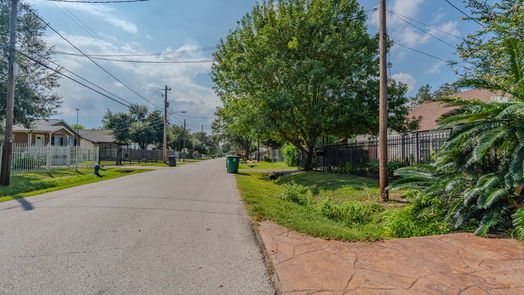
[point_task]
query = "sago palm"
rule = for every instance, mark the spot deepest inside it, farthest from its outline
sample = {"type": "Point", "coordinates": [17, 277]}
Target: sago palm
{"type": "Point", "coordinates": [479, 171]}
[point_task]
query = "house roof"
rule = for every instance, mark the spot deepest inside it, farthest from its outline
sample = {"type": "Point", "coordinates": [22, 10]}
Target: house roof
{"type": "Point", "coordinates": [430, 112]}
{"type": "Point", "coordinates": [97, 135]}
{"type": "Point", "coordinates": [43, 125]}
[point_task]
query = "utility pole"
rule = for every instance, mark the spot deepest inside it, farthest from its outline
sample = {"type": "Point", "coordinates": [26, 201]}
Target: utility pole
{"type": "Point", "coordinates": [202, 128]}
{"type": "Point", "coordinates": [164, 144]}
{"type": "Point", "coordinates": [9, 108]}
{"type": "Point", "coordinates": [383, 107]}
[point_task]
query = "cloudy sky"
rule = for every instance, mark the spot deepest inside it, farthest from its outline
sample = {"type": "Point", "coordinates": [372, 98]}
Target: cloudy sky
{"type": "Point", "coordinates": [173, 30]}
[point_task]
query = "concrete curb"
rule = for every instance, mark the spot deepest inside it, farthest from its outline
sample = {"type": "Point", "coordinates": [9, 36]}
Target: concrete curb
{"type": "Point", "coordinates": [270, 268]}
{"type": "Point", "coordinates": [275, 281]}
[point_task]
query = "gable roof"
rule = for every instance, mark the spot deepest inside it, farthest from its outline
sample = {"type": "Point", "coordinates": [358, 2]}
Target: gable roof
{"type": "Point", "coordinates": [97, 135]}
{"type": "Point", "coordinates": [429, 113]}
{"type": "Point", "coordinates": [46, 125]}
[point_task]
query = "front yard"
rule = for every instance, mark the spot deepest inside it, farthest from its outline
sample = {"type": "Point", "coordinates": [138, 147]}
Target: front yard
{"type": "Point", "coordinates": [29, 184]}
{"type": "Point", "coordinates": [336, 206]}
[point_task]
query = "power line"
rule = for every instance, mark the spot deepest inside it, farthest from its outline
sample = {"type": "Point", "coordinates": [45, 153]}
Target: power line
{"type": "Point", "coordinates": [176, 53]}
{"type": "Point", "coordinates": [152, 61]}
{"type": "Point", "coordinates": [426, 25]}
{"type": "Point", "coordinates": [76, 20]}
{"type": "Point", "coordinates": [464, 13]}
{"type": "Point", "coordinates": [423, 30]}
{"type": "Point", "coordinates": [82, 78]}
{"type": "Point", "coordinates": [427, 54]}
{"type": "Point", "coordinates": [93, 61]}
{"type": "Point", "coordinates": [72, 79]}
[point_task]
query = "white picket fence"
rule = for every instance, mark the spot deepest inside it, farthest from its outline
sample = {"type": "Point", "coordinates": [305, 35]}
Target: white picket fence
{"type": "Point", "coordinates": [26, 158]}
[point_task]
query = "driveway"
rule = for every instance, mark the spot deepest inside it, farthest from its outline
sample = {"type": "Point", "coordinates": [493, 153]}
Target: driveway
{"type": "Point", "coordinates": [177, 230]}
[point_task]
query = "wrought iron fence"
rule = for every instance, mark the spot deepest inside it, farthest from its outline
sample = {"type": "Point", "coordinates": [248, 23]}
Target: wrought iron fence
{"type": "Point", "coordinates": [362, 157]}
{"type": "Point", "coordinates": [27, 158]}
{"type": "Point", "coordinates": [129, 156]}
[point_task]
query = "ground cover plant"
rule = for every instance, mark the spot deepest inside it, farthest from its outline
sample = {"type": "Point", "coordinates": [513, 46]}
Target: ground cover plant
{"type": "Point", "coordinates": [328, 205]}
{"type": "Point", "coordinates": [30, 184]}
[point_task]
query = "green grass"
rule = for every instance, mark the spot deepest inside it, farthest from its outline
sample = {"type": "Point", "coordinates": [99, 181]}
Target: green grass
{"type": "Point", "coordinates": [30, 184]}
{"type": "Point", "coordinates": [266, 165]}
{"type": "Point", "coordinates": [262, 197]}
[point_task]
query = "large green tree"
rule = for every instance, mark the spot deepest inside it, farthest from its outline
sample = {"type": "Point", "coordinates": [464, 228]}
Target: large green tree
{"type": "Point", "coordinates": [137, 125]}
{"type": "Point", "coordinates": [302, 69]}
{"type": "Point", "coordinates": [34, 96]}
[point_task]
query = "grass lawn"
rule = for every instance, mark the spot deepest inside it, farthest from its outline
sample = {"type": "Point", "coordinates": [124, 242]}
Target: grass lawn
{"type": "Point", "coordinates": [264, 202]}
{"type": "Point", "coordinates": [30, 184]}
{"type": "Point", "coordinates": [266, 165]}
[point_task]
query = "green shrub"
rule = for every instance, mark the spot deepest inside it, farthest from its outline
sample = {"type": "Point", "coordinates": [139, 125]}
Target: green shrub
{"type": "Point", "coordinates": [290, 153]}
{"type": "Point", "coordinates": [350, 212]}
{"type": "Point", "coordinates": [345, 168]}
{"type": "Point", "coordinates": [267, 158]}
{"type": "Point", "coordinates": [297, 193]}
{"type": "Point", "coordinates": [416, 220]}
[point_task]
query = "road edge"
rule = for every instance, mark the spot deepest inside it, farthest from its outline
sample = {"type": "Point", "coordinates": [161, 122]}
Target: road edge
{"type": "Point", "coordinates": [253, 226]}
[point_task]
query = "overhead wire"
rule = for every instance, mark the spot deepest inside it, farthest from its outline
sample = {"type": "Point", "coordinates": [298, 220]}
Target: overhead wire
{"type": "Point", "coordinates": [154, 61]}
{"type": "Point", "coordinates": [73, 79]}
{"type": "Point", "coordinates": [93, 61]}
{"type": "Point", "coordinates": [175, 53]}
{"type": "Point", "coordinates": [463, 12]}
{"type": "Point", "coordinates": [426, 25]}
{"type": "Point", "coordinates": [425, 31]}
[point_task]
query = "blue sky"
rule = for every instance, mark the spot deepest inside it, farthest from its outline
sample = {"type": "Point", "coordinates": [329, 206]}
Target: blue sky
{"type": "Point", "coordinates": [186, 30]}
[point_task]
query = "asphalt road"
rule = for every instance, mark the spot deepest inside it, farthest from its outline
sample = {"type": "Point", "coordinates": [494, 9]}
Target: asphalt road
{"type": "Point", "coordinates": [176, 230]}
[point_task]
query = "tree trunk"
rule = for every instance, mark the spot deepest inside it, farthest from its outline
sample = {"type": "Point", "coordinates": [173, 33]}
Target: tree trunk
{"type": "Point", "coordinates": [119, 155]}
{"type": "Point", "coordinates": [247, 146]}
{"type": "Point", "coordinates": [308, 160]}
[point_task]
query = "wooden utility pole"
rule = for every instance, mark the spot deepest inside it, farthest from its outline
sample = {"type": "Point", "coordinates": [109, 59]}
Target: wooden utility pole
{"type": "Point", "coordinates": [383, 105]}
{"type": "Point", "coordinates": [164, 144]}
{"type": "Point", "coordinates": [10, 102]}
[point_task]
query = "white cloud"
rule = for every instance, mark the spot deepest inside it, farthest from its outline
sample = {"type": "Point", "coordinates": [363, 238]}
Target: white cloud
{"type": "Point", "coordinates": [103, 12]}
{"type": "Point", "coordinates": [196, 99]}
{"type": "Point", "coordinates": [406, 79]}
{"type": "Point", "coordinates": [435, 69]}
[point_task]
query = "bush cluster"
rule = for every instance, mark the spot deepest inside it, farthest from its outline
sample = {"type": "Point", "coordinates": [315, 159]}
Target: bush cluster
{"type": "Point", "coordinates": [290, 154]}
{"type": "Point", "coordinates": [297, 193]}
{"type": "Point", "coordinates": [349, 213]}
{"type": "Point", "coordinates": [416, 220]}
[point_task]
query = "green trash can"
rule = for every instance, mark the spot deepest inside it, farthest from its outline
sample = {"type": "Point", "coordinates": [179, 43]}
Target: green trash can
{"type": "Point", "coordinates": [232, 163]}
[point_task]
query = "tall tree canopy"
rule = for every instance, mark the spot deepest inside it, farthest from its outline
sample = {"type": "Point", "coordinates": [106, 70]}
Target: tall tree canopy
{"type": "Point", "coordinates": [34, 84]}
{"type": "Point", "coordinates": [302, 69]}
{"type": "Point", "coordinates": [137, 125]}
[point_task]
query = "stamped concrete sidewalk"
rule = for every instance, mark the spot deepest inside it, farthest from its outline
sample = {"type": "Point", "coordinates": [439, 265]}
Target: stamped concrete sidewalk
{"type": "Point", "coordinates": [447, 264]}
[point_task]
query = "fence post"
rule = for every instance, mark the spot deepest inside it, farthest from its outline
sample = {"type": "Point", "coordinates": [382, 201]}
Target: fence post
{"type": "Point", "coordinates": [403, 148]}
{"type": "Point", "coordinates": [417, 147]}
{"type": "Point", "coordinates": [336, 155]}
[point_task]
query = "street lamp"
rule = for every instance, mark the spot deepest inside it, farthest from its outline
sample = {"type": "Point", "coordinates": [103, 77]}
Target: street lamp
{"type": "Point", "coordinates": [77, 111]}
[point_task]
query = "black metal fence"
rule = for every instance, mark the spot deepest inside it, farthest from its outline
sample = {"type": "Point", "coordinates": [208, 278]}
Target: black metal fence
{"type": "Point", "coordinates": [362, 157]}
{"type": "Point", "coordinates": [130, 156]}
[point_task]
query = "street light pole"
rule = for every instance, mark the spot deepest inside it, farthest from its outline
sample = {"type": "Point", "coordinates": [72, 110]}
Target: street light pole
{"type": "Point", "coordinates": [77, 126]}
{"type": "Point", "coordinates": [10, 103]}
